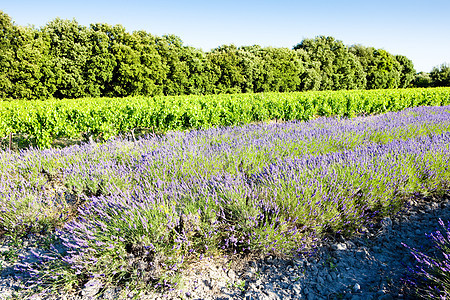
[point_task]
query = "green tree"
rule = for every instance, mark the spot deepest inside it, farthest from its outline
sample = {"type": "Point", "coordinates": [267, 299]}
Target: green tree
{"type": "Point", "coordinates": [172, 52]}
{"type": "Point", "coordinates": [68, 54]}
{"type": "Point", "coordinates": [228, 68]}
{"type": "Point", "coordinates": [201, 77]}
{"type": "Point", "coordinates": [126, 62]}
{"type": "Point", "coordinates": [385, 73]}
{"type": "Point", "coordinates": [441, 75]}
{"type": "Point", "coordinates": [407, 71]}
{"type": "Point", "coordinates": [152, 72]}
{"type": "Point", "coordinates": [31, 53]}
{"type": "Point", "coordinates": [22, 53]}
{"type": "Point", "coordinates": [310, 79]}
{"type": "Point", "coordinates": [423, 80]}
{"type": "Point", "coordinates": [337, 67]}
{"type": "Point", "coordinates": [8, 31]}
{"type": "Point", "coordinates": [66, 60]}
{"type": "Point", "coordinates": [133, 64]}
{"type": "Point", "coordinates": [100, 64]}
{"type": "Point", "coordinates": [381, 68]}
{"type": "Point", "coordinates": [279, 69]}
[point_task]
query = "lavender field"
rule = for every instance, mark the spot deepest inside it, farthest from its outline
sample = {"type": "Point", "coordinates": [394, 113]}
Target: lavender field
{"type": "Point", "coordinates": [136, 212]}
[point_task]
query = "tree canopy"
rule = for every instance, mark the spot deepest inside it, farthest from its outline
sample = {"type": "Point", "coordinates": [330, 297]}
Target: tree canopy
{"type": "Point", "coordinates": [64, 59]}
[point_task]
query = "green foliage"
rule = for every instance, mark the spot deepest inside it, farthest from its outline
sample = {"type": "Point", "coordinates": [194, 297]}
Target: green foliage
{"type": "Point", "coordinates": [64, 59]}
{"type": "Point", "coordinates": [22, 53]}
{"type": "Point", "coordinates": [279, 69]}
{"type": "Point", "coordinates": [174, 59]}
{"type": "Point", "coordinates": [441, 75]}
{"type": "Point", "coordinates": [382, 69]}
{"type": "Point", "coordinates": [105, 117]}
{"type": "Point", "coordinates": [100, 65]}
{"type": "Point", "coordinates": [407, 71]}
{"type": "Point", "coordinates": [423, 80]}
{"type": "Point", "coordinates": [201, 77]}
{"type": "Point", "coordinates": [310, 78]}
{"type": "Point", "coordinates": [69, 51]}
{"type": "Point", "coordinates": [129, 75]}
{"type": "Point", "coordinates": [8, 30]}
{"type": "Point", "coordinates": [338, 68]}
{"type": "Point", "coordinates": [230, 68]}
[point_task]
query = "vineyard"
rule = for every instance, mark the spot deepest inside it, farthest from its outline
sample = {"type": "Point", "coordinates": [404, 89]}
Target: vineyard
{"type": "Point", "coordinates": [43, 122]}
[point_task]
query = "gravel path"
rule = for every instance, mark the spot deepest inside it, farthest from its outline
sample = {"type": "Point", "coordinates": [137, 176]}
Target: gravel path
{"type": "Point", "coordinates": [371, 265]}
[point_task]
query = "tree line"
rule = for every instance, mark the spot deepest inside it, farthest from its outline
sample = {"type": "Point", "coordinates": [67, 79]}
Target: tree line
{"type": "Point", "coordinates": [64, 59]}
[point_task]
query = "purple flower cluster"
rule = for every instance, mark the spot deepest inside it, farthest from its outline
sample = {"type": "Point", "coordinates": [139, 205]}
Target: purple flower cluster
{"type": "Point", "coordinates": [432, 273]}
{"type": "Point", "coordinates": [144, 207]}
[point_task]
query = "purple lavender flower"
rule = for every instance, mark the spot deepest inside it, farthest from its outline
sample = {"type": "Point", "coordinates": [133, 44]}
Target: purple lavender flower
{"type": "Point", "coordinates": [430, 276]}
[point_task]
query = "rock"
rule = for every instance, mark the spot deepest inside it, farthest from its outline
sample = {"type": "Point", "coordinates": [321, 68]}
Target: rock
{"type": "Point", "coordinates": [339, 247]}
{"type": "Point", "coordinates": [311, 296]}
{"type": "Point", "coordinates": [248, 296]}
{"type": "Point", "coordinates": [232, 274]}
{"type": "Point", "coordinates": [91, 288]}
{"type": "Point", "coordinates": [271, 295]}
{"type": "Point", "coordinates": [333, 275]}
{"type": "Point", "coordinates": [258, 283]}
{"type": "Point", "coordinates": [284, 285]}
{"type": "Point", "coordinates": [350, 244]}
{"type": "Point", "coordinates": [5, 293]}
{"type": "Point", "coordinates": [297, 289]}
{"type": "Point", "coordinates": [269, 287]}
{"type": "Point", "coordinates": [111, 293]}
{"type": "Point", "coordinates": [386, 223]}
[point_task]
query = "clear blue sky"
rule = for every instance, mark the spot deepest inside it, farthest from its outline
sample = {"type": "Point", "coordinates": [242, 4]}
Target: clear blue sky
{"type": "Point", "coordinates": [417, 29]}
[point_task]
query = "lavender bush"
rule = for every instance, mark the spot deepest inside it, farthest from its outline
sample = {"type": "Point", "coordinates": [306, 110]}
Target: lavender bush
{"type": "Point", "coordinates": [134, 212]}
{"type": "Point", "coordinates": [432, 272]}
